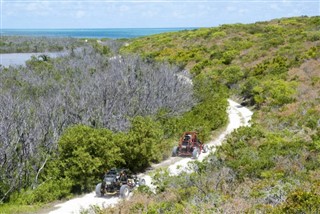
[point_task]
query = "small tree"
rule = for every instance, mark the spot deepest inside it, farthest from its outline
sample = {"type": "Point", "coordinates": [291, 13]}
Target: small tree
{"type": "Point", "coordinates": [143, 143]}
{"type": "Point", "coordinates": [85, 153]}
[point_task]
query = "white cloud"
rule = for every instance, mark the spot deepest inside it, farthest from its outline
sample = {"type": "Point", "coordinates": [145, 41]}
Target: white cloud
{"type": "Point", "coordinates": [124, 13]}
{"type": "Point", "coordinates": [27, 8]}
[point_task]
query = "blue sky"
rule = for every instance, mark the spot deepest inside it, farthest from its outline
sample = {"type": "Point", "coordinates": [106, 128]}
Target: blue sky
{"type": "Point", "coordinates": [147, 13]}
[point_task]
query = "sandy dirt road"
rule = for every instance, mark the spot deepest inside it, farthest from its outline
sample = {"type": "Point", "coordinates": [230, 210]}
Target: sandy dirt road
{"type": "Point", "coordinates": [238, 116]}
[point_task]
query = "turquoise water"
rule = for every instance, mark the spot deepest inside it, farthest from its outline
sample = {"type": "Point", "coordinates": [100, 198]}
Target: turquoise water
{"type": "Point", "coordinates": [113, 33]}
{"type": "Point", "coordinates": [20, 58]}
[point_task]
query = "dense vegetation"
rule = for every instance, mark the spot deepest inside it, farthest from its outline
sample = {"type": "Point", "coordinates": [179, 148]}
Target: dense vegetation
{"type": "Point", "coordinates": [271, 166]}
{"type": "Point", "coordinates": [64, 121]}
{"type": "Point", "coordinates": [23, 44]}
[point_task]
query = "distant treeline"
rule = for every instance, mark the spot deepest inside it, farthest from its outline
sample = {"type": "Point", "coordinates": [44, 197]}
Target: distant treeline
{"type": "Point", "coordinates": [42, 44]}
{"type": "Point", "coordinates": [27, 44]}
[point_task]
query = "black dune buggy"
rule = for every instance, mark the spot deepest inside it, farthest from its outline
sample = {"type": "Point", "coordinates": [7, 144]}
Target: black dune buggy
{"type": "Point", "coordinates": [118, 181]}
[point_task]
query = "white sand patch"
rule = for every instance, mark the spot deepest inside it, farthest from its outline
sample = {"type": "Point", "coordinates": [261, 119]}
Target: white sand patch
{"type": "Point", "coordinates": [75, 205]}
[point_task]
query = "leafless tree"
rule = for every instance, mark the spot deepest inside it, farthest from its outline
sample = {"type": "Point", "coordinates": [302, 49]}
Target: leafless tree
{"type": "Point", "coordinates": [40, 100]}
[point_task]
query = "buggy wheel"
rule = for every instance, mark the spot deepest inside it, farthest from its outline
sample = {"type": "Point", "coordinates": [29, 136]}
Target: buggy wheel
{"type": "Point", "coordinates": [124, 191]}
{"type": "Point", "coordinates": [175, 151]}
{"type": "Point", "coordinates": [142, 182]}
{"type": "Point", "coordinates": [195, 153]}
{"type": "Point", "coordinates": [205, 148]}
{"type": "Point", "coordinates": [98, 190]}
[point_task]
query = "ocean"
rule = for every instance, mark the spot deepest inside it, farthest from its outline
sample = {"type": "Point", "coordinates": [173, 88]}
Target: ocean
{"type": "Point", "coordinates": [112, 33]}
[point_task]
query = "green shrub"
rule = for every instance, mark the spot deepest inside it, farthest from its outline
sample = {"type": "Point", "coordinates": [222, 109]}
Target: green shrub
{"type": "Point", "coordinates": [143, 144]}
{"type": "Point", "coordinates": [166, 207]}
{"type": "Point", "coordinates": [232, 75]}
{"type": "Point", "coordinates": [312, 53]}
{"type": "Point", "coordinates": [85, 153]}
{"type": "Point", "coordinates": [301, 201]}
{"type": "Point", "coordinates": [219, 34]}
{"type": "Point", "coordinates": [46, 192]}
{"type": "Point", "coordinates": [277, 66]}
{"type": "Point", "coordinates": [228, 56]}
{"type": "Point", "coordinates": [273, 42]}
{"type": "Point", "coordinates": [275, 93]}
{"type": "Point", "coordinates": [51, 190]}
{"type": "Point", "coordinates": [313, 36]}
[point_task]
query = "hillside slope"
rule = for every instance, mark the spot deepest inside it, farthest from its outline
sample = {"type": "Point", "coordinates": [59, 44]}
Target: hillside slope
{"type": "Point", "coordinates": [273, 165]}
{"type": "Point", "coordinates": [55, 141]}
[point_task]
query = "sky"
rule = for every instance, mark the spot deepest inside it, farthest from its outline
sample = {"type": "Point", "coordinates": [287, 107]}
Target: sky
{"type": "Point", "coordinates": [46, 14]}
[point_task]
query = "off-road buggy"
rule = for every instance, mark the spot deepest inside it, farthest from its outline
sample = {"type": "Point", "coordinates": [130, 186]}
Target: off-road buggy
{"type": "Point", "coordinates": [118, 181]}
{"type": "Point", "coordinates": [189, 145]}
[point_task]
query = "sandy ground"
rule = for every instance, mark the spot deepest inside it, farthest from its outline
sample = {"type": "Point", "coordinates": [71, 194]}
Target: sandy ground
{"type": "Point", "coordinates": [238, 116]}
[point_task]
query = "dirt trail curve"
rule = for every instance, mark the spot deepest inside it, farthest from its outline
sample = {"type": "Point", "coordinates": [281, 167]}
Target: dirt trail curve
{"type": "Point", "coordinates": [238, 116]}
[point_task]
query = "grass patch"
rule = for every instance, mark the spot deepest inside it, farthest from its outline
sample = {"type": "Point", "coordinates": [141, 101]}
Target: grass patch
{"type": "Point", "coordinates": [13, 208]}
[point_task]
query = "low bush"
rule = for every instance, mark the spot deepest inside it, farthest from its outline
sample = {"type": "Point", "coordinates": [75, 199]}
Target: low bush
{"type": "Point", "coordinates": [301, 201]}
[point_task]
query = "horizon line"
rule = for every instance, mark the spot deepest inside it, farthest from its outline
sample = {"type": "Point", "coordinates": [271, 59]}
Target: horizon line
{"type": "Point", "coordinates": [99, 28]}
